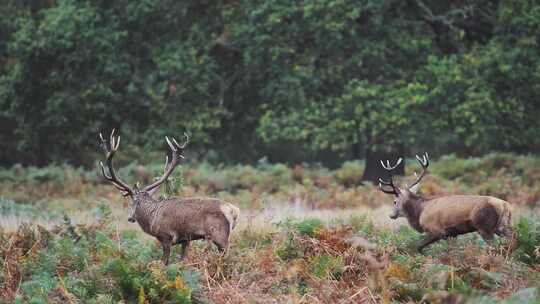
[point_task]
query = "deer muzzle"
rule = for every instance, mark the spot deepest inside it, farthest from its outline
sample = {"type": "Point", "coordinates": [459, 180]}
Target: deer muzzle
{"type": "Point", "coordinates": [395, 214]}
{"type": "Point", "coordinates": [131, 214]}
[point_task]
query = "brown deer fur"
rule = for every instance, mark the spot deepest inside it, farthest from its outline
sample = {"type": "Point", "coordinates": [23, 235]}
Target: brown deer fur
{"type": "Point", "coordinates": [181, 220]}
{"type": "Point", "coordinates": [449, 216]}
{"type": "Point", "coordinates": [174, 220]}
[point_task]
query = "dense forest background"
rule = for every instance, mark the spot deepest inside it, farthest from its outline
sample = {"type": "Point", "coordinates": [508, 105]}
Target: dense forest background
{"type": "Point", "coordinates": [292, 81]}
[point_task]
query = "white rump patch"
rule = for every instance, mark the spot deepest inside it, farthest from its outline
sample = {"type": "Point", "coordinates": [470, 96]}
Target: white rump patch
{"type": "Point", "coordinates": [232, 213]}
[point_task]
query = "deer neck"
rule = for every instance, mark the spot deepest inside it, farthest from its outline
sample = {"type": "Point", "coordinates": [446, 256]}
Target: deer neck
{"type": "Point", "coordinates": [413, 209]}
{"type": "Point", "coordinates": [145, 214]}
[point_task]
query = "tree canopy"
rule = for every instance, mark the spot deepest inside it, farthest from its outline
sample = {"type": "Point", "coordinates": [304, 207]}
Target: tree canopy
{"type": "Point", "coordinates": [291, 80]}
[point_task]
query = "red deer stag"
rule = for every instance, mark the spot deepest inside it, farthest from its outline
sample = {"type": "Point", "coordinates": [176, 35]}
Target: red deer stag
{"type": "Point", "coordinates": [446, 216]}
{"type": "Point", "coordinates": [174, 220]}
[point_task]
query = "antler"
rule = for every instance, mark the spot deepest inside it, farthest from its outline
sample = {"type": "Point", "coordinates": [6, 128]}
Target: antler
{"type": "Point", "coordinates": [395, 190]}
{"type": "Point", "coordinates": [177, 152]}
{"type": "Point", "coordinates": [424, 162]}
{"type": "Point", "coordinates": [110, 148]}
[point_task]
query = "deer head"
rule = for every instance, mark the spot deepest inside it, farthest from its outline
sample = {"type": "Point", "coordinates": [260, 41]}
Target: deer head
{"type": "Point", "coordinates": [407, 195]}
{"type": "Point", "coordinates": [136, 194]}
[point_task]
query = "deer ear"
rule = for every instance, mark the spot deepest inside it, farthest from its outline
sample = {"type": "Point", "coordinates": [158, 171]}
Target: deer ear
{"type": "Point", "coordinates": [414, 189]}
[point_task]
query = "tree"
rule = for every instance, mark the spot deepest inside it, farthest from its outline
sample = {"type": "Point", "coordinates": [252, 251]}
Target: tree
{"type": "Point", "coordinates": [334, 87]}
{"type": "Point", "coordinates": [81, 67]}
{"type": "Point", "coordinates": [288, 80]}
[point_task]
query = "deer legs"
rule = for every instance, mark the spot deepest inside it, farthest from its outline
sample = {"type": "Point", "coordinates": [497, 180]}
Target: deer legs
{"type": "Point", "coordinates": [185, 248]}
{"type": "Point", "coordinates": [506, 232]}
{"type": "Point", "coordinates": [166, 252]}
{"type": "Point", "coordinates": [166, 245]}
{"type": "Point", "coordinates": [430, 239]}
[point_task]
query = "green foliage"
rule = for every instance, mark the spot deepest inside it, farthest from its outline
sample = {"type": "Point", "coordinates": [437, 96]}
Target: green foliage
{"type": "Point", "coordinates": [276, 78]}
{"type": "Point", "coordinates": [288, 250]}
{"type": "Point", "coordinates": [96, 267]}
{"type": "Point", "coordinates": [9, 208]}
{"type": "Point", "coordinates": [447, 96]}
{"type": "Point", "coordinates": [308, 226]}
{"type": "Point", "coordinates": [123, 77]}
{"type": "Point", "coordinates": [350, 173]}
{"type": "Point", "coordinates": [496, 174]}
{"type": "Point", "coordinates": [451, 167]}
{"type": "Point", "coordinates": [55, 174]}
{"type": "Point", "coordinates": [325, 265]}
{"type": "Point", "coordinates": [406, 236]}
{"type": "Point", "coordinates": [263, 178]}
{"type": "Point", "coordinates": [526, 295]}
{"type": "Point", "coordinates": [107, 262]}
{"type": "Point", "coordinates": [528, 238]}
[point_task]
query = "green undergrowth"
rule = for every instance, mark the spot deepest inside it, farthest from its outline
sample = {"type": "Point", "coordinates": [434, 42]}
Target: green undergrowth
{"type": "Point", "coordinates": [9, 208]}
{"type": "Point", "coordinates": [90, 264]}
{"type": "Point", "coordinates": [528, 235]}
{"type": "Point", "coordinates": [96, 263]}
{"type": "Point", "coordinates": [464, 269]}
{"type": "Point", "coordinates": [101, 261]}
{"type": "Point", "coordinates": [507, 176]}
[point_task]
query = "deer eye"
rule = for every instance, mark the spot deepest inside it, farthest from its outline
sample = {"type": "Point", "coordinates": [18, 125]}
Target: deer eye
{"type": "Point", "coordinates": [395, 202]}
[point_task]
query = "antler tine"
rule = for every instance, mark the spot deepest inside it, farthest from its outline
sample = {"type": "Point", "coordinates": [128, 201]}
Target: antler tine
{"type": "Point", "coordinates": [117, 144]}
{"type": "Point", "coordinates": [165, 167]}
{"type": "Point", "coordinates": [385, 190]}
{"type": "Point", "coordinates": [382, 181]}
{"type": "Point", "coordinates": [395, 190]}
{"type": "Point", "coordinates": [181, 146]}
{"type": "Point", "coordinates": [110, 148]}
{"type": "Point", "coordinates": [424, 162]}
{"type": "Point", "coordinates": [185, 142]}
{"type": "Point", "coordinates": [171, 145]}
{"type": "Point", "coordinates": [103, 171]}
{"type": "Point", "coordinates": [109, 177]}
{"type": "Point", "coordinates": [177, 152]}
{"type": "Point", "coordinates": [166, 164]}
{"type": "Point", "coordinates": [390, 168]}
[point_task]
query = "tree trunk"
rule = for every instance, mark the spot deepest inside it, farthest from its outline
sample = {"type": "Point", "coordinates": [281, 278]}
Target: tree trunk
{"type": "Point", "coordinates": [374, 170]}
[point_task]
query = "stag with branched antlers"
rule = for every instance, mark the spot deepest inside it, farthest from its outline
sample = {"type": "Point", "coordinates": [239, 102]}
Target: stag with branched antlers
{"type": "Point", "coordinates": [172, 220]}
{"type": "Point", "coordinates": [446, 216]}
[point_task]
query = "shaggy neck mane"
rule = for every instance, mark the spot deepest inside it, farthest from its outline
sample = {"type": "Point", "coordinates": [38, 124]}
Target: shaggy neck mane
{"type": "Point", "coordinates": [413, 208]}
{"type": "Point", "coordinates": [145, 212]}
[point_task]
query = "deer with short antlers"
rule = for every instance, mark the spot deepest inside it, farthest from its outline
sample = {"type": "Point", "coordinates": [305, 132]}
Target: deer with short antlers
{"type": "Point", "coordinates": [173, 220]}
{"type": "Point", "coordinates": [446, 216]}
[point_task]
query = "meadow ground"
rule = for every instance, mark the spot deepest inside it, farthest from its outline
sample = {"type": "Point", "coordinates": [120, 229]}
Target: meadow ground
{"type": "Point", "coordinates": [306, 235]}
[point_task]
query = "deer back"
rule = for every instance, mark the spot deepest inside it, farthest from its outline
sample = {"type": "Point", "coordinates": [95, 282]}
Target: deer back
{"type": "Point", "coordinates": [445, 212]}
{"type": "Point", "coordinates": [191, 216]}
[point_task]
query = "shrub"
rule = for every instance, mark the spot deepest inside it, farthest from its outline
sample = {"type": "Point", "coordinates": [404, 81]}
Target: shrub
{"type": "Point", "coordinates": [308, 226]}
{"type": "Point", "coordinates": [350, 173]}
{"type": "Point", "coordinates": [323, 266]}
{"type": "Point", "coordinates": [452, 167]}
{"type": "Point", "coordinates": [10, 208]}
{"type": "Point", "coordinates": [99, 269]}
{"type": "Point", "coordinates": [289, 250]}
{"type": "Point", "coordinates": [528, 240]}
